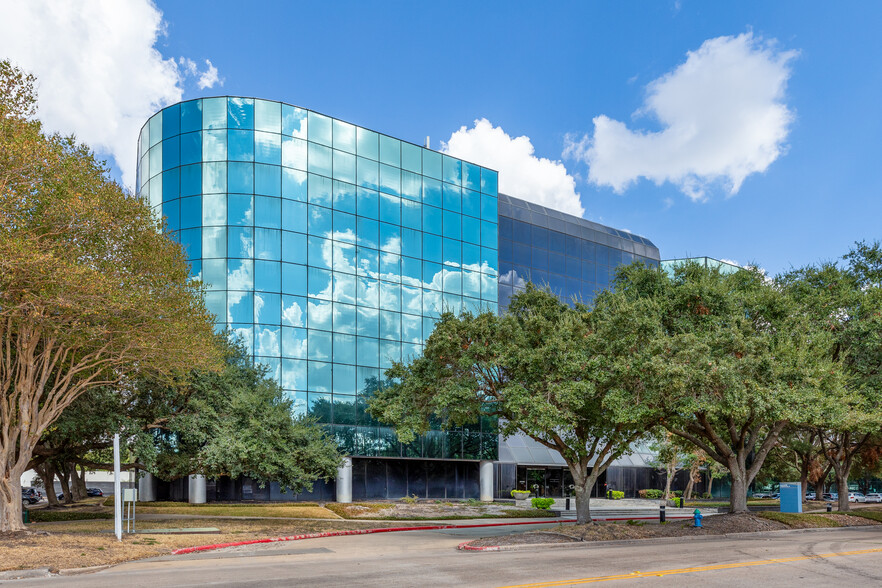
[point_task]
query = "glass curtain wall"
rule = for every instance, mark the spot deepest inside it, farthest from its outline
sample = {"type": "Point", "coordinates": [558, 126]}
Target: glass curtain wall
{"type": "Point", "coordinates": [574, 257]}
{"type": "Point", "coordinates": [329, 249]}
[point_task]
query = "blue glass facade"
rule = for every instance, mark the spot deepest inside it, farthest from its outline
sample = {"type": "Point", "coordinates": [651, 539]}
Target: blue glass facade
{"type": "Point", "coordinates": [329, 249]}
{"type": "Point", "coordinates": [574, 257]}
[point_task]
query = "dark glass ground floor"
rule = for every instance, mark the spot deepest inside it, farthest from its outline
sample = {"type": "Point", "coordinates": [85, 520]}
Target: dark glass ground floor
{"type": "Point", "coordinates": [392, 479]}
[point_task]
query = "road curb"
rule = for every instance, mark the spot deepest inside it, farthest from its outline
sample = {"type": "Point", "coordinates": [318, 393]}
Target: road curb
{"type": "Point", "coordinates": [658, 540]}
{"type": "Point", "coordinates": [199, 548]}
{"type": "Point", "coordinates": [86, 570]}
{"type": "Point", "coordinates": [25, 574]}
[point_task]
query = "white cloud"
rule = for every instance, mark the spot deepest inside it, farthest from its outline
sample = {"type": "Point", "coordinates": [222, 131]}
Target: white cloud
{"type": "Point", "coordinates": [99, 74]}
{"type": "Point", "coordinates": [209, 77]}
{"type": "Point", "coordinates": [723, 118]}
{"type": "Point", "coordinates": [521, 173]}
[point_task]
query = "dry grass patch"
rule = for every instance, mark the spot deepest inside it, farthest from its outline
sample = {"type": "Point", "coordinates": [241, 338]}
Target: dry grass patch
{"type": "Point", "coordinates": [292, 511]}
{"type": "Point", "coordinates": [356, 510]}
{"type": "Point", "coordinates": [82, 543]}
{"type": "Point", "coordinates": [801, 520]}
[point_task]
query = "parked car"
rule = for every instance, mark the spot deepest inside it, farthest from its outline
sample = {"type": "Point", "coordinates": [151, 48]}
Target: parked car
{"type": "Point", "coordinates": [856, 497]}
{"type": "Point", "coordinates": [28, 498]}
{"type": "Point", "coordinates": [32, 492]}
{"type": "Point", "coordinates": [94, 492]}
{"type": "Point", "coordinates": [873, 497]}
{"type": "Point", "coordinates": [830, 496]}
{"type": "Point", "coordinates": [811, 496]}
{"type": "Point", "coordinates": [775, 496]}
{"type": "Point", "coordinates": [760, 495]}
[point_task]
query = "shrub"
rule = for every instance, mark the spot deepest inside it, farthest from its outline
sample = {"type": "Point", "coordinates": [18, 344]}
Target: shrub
{"type": "Point", "coordinates": [543, 503]}
{"type": "Point", "coordinates": [707, 495]}
{"type": "Point", "coordinates": [616, 494]}
{"type": "Point", "coordinates": [51, 516]}
{"type": "Point", "coordinates": [520, 494]}
{"type": "Point", "coordinates": [677, 493]}
{"type": "Point", "coordinates": [410, 499]}
{"type": "Point", "coordinates": [650, 493]}
{"type": "Point", "coordinates": [473, 502]}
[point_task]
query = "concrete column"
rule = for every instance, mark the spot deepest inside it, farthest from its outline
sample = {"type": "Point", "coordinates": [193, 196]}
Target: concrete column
{"type": "Point", "coordinates": [197, 489]}
{"type": "Point", "coordinates": [486, 469]}
{"type": "Point", "coordinates": [344, 481]}
{"type": "Point", "coordinates": [147, 488]}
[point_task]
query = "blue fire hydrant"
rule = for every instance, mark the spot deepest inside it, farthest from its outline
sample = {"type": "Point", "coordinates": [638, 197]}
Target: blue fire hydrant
{"type": "Point", "coordinates": [697, 516]}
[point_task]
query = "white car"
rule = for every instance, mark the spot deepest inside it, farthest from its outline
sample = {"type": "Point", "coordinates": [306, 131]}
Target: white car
{"type": "Point", "coordinates": [856, 497]}
{"type": "Point", "coordinates": [873, 497]}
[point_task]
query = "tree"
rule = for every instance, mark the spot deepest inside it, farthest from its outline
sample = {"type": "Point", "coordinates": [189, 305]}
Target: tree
{"type": "Point", "coordinates": [715, 471]}
{"type": "Point", "coordinates": [734, 362]}
{"type": "Point", "coordinates": [91, 291]}
{"type": "Point", "coordinates": [669, 458]}
{"type": "Point", "coordinates": [845, 301]}
{"type": "Point", "coordinates": [544, 369]}
{"type": "Point", "coordinates": [695, 461]}
{"type": "Point", "coordinates": [234, 422]}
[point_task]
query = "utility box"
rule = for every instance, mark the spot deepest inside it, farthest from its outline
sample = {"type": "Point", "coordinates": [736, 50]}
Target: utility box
{"type": "Point", "coordinates": [791, 496]}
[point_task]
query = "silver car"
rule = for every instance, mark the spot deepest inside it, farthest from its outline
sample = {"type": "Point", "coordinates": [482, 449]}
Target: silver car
{"type": "Point", "coordinates": [873, 497]}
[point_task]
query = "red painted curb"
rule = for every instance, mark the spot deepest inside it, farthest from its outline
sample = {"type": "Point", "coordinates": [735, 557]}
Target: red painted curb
{"type": "Point", "coordinates": [185, 550]}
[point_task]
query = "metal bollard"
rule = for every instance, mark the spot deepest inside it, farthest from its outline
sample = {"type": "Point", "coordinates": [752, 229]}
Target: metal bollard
{"type": "Point", "coordinates": [681, 502]}
{"type": "Point", "coordinates": [829, 507]}
{"type": "Point", "coordinates": [568, 504]}
{"type": "Point", "coordinates": [661, 513]}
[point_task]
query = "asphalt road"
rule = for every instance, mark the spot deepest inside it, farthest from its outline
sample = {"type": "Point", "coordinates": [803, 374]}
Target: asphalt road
{"type": "Point", "coordinates": [845, 557]}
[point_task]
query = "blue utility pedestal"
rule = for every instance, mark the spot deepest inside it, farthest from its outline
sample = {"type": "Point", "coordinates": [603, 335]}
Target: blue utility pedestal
{"type": "Point", "coordinates": [791, 496]}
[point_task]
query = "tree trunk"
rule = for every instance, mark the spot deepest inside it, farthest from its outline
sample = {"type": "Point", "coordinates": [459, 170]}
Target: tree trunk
{"type": "Point", "coordinates": [10, 501]}
{"type": "Point", "coordinates": [47, 474]}
{"type": "Point", "coordinates": [738, 498]}
{"type": "Point", "coordinates": [694, 472]}
{"type": "Point", "coordinates": [710, 485]}
{"type": "Point", "coordinates": [63, 479]}
{"type": "Point", "coordinates": [842, 488]}
{"type": "Point", "coordinates": [583, 484]}
{"type": "Point", "coordinates": [77, 483]}
{"type": "Point", "coordinates": [668, 480]}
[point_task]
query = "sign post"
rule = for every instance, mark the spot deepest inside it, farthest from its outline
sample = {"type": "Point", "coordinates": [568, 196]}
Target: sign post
{"type": "Point", "coordinates": [117, 493]}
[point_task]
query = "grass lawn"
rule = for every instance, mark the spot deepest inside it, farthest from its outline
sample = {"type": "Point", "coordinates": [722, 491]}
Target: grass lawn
{"type": "Point", "coordinates": [873, 515]}
{"type": "Point", "coordinates": [724, 504]}
{"type": "Point", "coordinates": [90, 543]}
{"type": "Point", "coordinates": [800, 520]}
{"type": "Point", "coordinates": [293, 511]}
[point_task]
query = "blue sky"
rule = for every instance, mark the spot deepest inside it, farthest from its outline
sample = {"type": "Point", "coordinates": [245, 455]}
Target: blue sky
{"type": "Point", "coordinates": [778, 102]}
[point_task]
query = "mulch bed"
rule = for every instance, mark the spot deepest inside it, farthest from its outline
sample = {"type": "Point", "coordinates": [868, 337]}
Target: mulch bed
{"type": "Point", "coordinates": [614, 531]}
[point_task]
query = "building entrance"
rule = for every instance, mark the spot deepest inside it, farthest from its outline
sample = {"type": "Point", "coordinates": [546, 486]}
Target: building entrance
{"type": "Point", "coordinates": [552, 482]}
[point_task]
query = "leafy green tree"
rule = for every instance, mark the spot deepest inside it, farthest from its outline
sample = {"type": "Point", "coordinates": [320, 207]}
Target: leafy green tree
{"type": "Point", "coordinates": [235, 422]}
{"type": "Point", "coordinates": [670, 458]}
{"type": "Point", "coordinates": [845, 301]}
{"type": "Point", "coordinates": [544, 369]}
{"type": "Point", "coordinates": [91, 292]}
{"type": "Point", "coordinates": [733, 362]}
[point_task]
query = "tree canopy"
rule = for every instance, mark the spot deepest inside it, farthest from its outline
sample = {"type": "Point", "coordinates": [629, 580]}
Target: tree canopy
{"type": "Point", "coordinates": [732, 363]}
{"type": "Point", "coordinates": [92, 292]}
{"type": "Point", "coordinates": [543, 368]}
{"type": "Point", "coordinates": [844, 300]}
